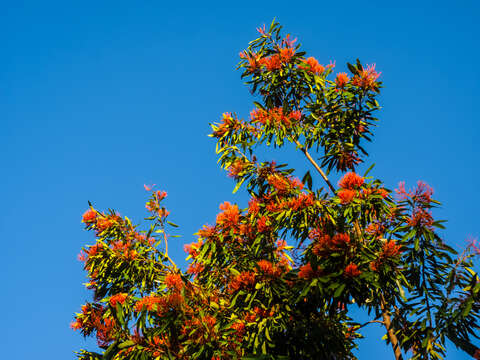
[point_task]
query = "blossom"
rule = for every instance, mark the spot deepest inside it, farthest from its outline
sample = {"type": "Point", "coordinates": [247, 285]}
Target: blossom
{"type": "Point", "coordinates": [420, 217]}
{"type": "Point", "coordinates": [351, 181]}
{"type": "Point", "coordinates": [275, 116]}
{"type": "Point", "coordinates": [239, 328]}
{"type": "Point", "coordinates": [192, 249]}
{"type": "Point", "coordinates": [341, 80]}
{"type": "Point", "coordinates": [89, 216]}
{"type": "Point", "coordinates": [195, 268]}
{"type": "Point", "coordinates": [312, 65]}
{"type": "Point", "coordinates": [236, 168]}
{"type": "Point", "coordinates": [253, 206]}
{"type": "Point", "coordinates": [118, 299]}
{"type": "Point", "coordinates": [286, 54]}
{"type": "Point", "coordinates": [367, 78]}
{"type": "Point", "coordinates": [347, 160]}
{"type": "Point", "coordinates": [272, 62]}
{"type": "Point", "coordinates": [391, 249]}
{"type": "Point", "coordinates": [148, 187]}
{"type": "Point", "coordinates": [230, 215]}
{"type": "Point", "coordinates": [242, 280]}
{"type": "Point", "coordinates": [422, 193]}
{"type": "Point", "coordinates": [149, 303]}
{"type": "Point", "coordinates": [306, 271]}
{"type": "Point", "coordinates": [174, 281]}
{"type": "Point", "coordinates": [262, 224]}
{"type": "Point", "coordinates": [346, 195]}
{"type": "Point", "coordinates": [352, 270]}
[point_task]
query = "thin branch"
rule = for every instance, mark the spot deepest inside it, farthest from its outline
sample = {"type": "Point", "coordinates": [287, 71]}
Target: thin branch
{"type": "Point", "coordinates": [319, 169]}
{"type": "Point", "coordinates": [391, 334]}
{"type": "Point", "coordinates": [371, 322]}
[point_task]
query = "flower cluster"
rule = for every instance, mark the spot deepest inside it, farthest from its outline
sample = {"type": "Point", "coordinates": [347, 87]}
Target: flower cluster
{"type": "Point", "coordinates": [275, 117]}
{"type": "Point", "coordinates": [367, 78]}
{"type": "Point", "coordinates": [349, 184]}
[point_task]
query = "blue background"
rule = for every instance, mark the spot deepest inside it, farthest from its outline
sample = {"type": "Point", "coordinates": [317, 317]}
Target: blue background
{"type": "Point", "coordinates": [98, 98]}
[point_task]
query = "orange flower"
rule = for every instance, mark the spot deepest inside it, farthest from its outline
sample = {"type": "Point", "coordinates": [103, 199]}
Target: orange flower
{"type": "Point", "coordinates": [195, 268]}
{"type": "Point", "coordinates": [306, 272]}
{"type": "Point", "coordinates": [346, 195]}
{"type": "Point", "coordinates": [341, 80]}
{"type": "Point", "coordinates": [242, 280]}
{"type": "Point", "coordinates": [253, 206]}
{"type": "Point", "coordinates": [312, 65]}
{"type": "Point", "coordinates": [230, 215]}
{"type": "Point", "coordinates": [351, 181]}
{"type": "Point", "coordinates": [262, 225]}
{"type": "Point", "coordinates": [352, 270]}
{"type": "Point", "coordinates": [391, 249]}
{"type": "Point", "coordinates": [268, 268]}
{"type": "Point", "coordinates": [174, 281]}
{"type": "Point", "coordinates": [192, 249]}
{"type": "Point", "coordinates": [150, 303]}
{"type": "Point", "coordinates": [118, 298]}
{"type": "Point", "coordinates": [239, 328]}
{"type": "Point", "coordinates": [236, 168]}
{"type": "Point", "coordinates": [89, 216]}
{"type": "Point", "coordinates": [273, 62]}
{"type": "Point", "coordinates": [367, 78]}
{"type": "Point", "coordinates": [340, 240]}
{"type": "Point", "coordinates": [286, 54]}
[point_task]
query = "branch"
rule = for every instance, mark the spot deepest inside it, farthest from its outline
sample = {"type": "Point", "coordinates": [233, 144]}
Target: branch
{"type": "Point", "coordinates": [319, 169]}
{"type": "Point", "coordinates": [391, 334]}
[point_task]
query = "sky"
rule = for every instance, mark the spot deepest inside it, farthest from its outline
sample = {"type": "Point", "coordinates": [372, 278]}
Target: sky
{"type": "Point", "coordinates": [99, 98]}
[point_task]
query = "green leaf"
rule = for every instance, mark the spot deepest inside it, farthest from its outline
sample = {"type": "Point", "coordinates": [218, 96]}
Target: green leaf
{"type": "Point", "coordinates": [339, 290]}
{"type": "Point", "coordinates": [172, 224]}
{"type": "Point", "coordinates": [238, 185]}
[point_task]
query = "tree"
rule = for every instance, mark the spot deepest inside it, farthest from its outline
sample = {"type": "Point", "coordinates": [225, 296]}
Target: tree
{"type": "Point", "coordinates": [247, 293]}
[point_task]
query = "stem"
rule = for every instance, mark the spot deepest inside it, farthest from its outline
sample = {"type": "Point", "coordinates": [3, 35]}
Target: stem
{"type": "Point", "coordinates": [166, 249]}
{"type": "Point", "coordinates": [319, 169]}
{"type": "Point", "coordinates": [388, 325]}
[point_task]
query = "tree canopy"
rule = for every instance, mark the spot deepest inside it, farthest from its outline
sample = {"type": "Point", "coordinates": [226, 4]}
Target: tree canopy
{"type": "Point", "coordinates": [280, 278]}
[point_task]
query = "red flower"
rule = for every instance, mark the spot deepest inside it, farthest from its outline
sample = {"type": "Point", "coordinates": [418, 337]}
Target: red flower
{"type": "Point", "coordinates": [391, 249]}
{"type": "Point", "coordinates": [174, 281]}
{"type": "Point", "coordinates": [150, 303]}
{"type": "Point", "coordinates": [312, 65]}
{"type": "Point", "coordinates": [230, 215]}
{"type": "Point", "coordinates": [346, 195]}
{"type": "Point", "coordinates": [262, 225]}
{"type": "Point", "coordinates": [286, 54]}
{"type": "Point", "coordinates": [306, 272]}
{"type": "Point", "coordinates": [89, 216]}
{"type": "Point", "coordinates": [253, 206]}
{"type": "Point", "coordinates": [242, 280]}
{"type": "Point", "coordinates": [236, 168]}
{"type": "Point", "coordinates": [341, 80]}
{"type": "Point", "coordinates": [296, 115]}
{"type": "Point", "coordinates": [340, 240]}
{"type": "Point", "coordinates": [352, 270]}
{"type": "Point", "coordinates": [351, 181]}
{"type": "Point", "coordinates": [195, 268]}
{"type": "Point", "coordinates": [367, 78]}
{"type": "Point", "coordinates": [118, 298]}
{"type": "Point", "coordinates": [273, 62]}
{"type": "Point", "coordinates": [239, 328]}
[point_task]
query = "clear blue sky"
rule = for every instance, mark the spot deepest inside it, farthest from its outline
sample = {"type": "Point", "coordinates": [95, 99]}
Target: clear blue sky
{"type": "Point", "coordinates": [98, 98]}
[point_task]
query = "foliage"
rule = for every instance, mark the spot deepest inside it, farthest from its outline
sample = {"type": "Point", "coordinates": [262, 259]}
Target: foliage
{"type": "Point", "coordinates": [246, 293]}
